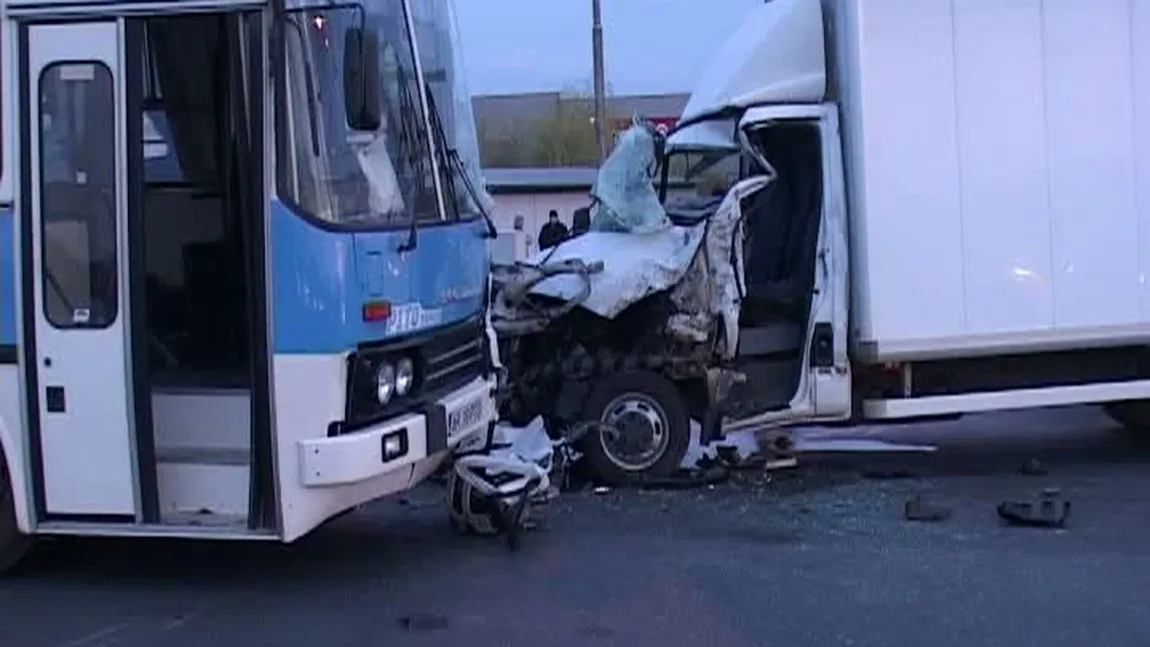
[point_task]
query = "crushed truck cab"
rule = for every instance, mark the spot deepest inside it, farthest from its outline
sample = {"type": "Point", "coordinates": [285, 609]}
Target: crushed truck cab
{"type": "Point", "coordinates": [929, 241]}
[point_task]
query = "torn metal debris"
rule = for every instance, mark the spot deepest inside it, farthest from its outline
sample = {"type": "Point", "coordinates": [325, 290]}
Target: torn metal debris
{"type": "Point", "coordinates": [919, 510]}
{"type": "Point", "coordinates": [1050, 510]}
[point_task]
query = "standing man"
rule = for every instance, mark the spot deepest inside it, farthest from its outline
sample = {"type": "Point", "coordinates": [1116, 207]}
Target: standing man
{"type": "Point", "coordinates": [552, 233]}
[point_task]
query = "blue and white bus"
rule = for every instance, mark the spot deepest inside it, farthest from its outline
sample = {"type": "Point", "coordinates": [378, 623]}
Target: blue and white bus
{"type": "Point", "coordinates": [243, 264]}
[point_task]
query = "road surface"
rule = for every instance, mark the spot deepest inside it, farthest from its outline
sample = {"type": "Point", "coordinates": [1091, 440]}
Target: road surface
{"type": "Point", "coordinates": [819, 556]}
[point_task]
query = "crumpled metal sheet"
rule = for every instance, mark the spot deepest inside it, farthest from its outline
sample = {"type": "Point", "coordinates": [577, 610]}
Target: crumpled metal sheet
{"type": "Point", "coordinates": [715, 280]}
{"type": "Point", "coordinates": [635, 265]}
{"type": "Point", "coordinates": [625, 197]}
{"type": "Point", "coordinates": [691, 298]}
{"type": "Point", "coordinates": [725, 251]}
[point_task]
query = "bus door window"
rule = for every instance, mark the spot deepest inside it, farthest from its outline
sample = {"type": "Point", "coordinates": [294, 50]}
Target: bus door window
{"type": "Point", "coordinates": [77, 195]}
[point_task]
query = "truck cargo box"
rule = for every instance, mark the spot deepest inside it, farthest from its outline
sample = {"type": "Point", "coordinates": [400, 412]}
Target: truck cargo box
{"type": "Point", "coordinates": [997, 155]}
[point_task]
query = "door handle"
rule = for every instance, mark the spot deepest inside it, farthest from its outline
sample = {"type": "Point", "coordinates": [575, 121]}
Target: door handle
{"type": "Point", "coordinates": [54, 399]}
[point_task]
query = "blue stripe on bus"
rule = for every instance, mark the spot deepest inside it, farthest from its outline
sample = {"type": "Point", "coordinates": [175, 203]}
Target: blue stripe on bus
{"type": "Point", "coordinates": [7, 277]}
{"type": "Point", "coordinates": [322, 280]}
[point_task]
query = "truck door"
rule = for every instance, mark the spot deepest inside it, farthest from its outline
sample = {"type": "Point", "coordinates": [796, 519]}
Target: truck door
{"type": "Point", "coordinates": [795, 266]}
{"type": "Point", "coordinates": [74, 207]}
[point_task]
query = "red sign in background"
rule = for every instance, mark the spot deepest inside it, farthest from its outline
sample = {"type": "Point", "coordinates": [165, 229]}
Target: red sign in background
{"type": "Point", "coordinates": [662, 124]}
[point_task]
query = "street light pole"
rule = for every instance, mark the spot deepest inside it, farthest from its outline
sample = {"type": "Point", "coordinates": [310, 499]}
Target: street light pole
{"type": "Point", "coordinates": [600, 83]}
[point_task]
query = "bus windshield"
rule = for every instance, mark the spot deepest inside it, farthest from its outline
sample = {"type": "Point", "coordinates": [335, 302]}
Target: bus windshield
{"type": "Point", "coordinates": [386, 177]}
{"type": "Point", "coordinates": [441, 54]}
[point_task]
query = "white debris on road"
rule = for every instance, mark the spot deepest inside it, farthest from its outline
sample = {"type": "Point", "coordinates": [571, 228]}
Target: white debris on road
{"type": "Point", "coordinates": [808, 445]}
{"type": "Point", "coordinates": [812, 440]}
{"type": "Point", "coordinates": [806, 441]}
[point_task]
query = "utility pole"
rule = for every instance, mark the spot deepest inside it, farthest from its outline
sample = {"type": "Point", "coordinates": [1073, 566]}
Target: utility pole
{"type": "Point", "coordinates": [600, 83]}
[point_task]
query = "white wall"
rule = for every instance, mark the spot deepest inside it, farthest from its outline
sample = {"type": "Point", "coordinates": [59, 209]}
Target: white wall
{"type": "Point", "coordinates": [1009, 192]}
{"type": "Point", "coordinates": [534, 207]}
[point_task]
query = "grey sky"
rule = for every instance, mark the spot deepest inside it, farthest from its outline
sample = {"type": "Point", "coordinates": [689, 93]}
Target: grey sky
{"type": "Point", "coordinates": [652, 46]}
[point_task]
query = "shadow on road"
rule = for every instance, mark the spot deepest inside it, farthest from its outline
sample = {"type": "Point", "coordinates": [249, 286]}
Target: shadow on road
{"type": "Point", "coordinates": [405, 540]}
{"type": "Point", "coordinates": [384, 539]}
{"type": "Point", "coordinates": [994, 443]}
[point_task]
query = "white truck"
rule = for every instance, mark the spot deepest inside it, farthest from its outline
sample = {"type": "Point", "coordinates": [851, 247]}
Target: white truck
{"type": "Point", "coordinates": [957, 218]}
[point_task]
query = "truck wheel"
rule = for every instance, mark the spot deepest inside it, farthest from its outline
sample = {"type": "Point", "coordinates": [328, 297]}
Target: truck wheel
{"type": "Point", "coordinates": [14, 545]}
{"type": "Point", "coordinates": [1132, 414]}
{"type": "Point", "coordinates": [647, 431]}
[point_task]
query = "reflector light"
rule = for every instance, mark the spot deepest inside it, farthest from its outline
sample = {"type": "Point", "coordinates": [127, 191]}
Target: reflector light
{"type": "Point", "coordinates": [376, 311]}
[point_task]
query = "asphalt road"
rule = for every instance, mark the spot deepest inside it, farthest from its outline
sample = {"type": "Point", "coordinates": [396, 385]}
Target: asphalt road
{"type": "Point", "coordinates": [817, 556]}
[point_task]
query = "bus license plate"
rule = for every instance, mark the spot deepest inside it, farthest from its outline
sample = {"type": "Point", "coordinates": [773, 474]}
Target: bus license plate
{"type": "Point", "coordinates": [465, 417]}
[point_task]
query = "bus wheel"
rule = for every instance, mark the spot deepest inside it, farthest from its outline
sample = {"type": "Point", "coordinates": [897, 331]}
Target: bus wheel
{"type": "Point", "coordinates": [647, 428]}
{"type": "Point", "coordinates": [14, 545]}
{"type": "Point", "coordinates": [1134, 415]}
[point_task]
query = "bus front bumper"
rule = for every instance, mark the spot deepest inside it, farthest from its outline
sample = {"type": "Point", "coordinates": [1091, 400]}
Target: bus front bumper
{"type": "Point", "coordinates": [399, 443]}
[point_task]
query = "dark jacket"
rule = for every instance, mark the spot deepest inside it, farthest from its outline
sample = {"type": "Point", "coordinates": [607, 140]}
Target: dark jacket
{"type": "Point", "coordinates": [551, 234]}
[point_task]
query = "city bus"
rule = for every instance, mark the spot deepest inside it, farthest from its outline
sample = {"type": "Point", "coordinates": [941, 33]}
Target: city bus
{"type": "Point", "coordinates": [243, 264]}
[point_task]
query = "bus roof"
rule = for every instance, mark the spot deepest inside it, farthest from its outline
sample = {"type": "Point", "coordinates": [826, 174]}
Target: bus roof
{"type": "Point", "coordinates": [28, 7]}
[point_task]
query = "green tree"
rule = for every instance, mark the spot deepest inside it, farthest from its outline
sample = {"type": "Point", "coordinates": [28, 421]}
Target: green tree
{"type": "Point", "coordinates": [568, 137]}
{"type": "Point", "coordinates": [507, 147]}
{"type": "Point", "coordinates": [565, 137]}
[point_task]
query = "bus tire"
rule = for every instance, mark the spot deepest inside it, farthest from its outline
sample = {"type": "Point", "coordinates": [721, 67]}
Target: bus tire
{"type": "Point", "coordinates": [1134, 415]}
{"type": "Point", "coordinates": [643, 411]}
{"type": "Point", "coordinates": [14, 545]}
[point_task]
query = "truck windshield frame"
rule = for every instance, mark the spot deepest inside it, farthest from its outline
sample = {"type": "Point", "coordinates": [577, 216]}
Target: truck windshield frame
{"type": "Point", "coordinates": [330, 174]}
{"type": "Point", "coordinates": [706, 169]}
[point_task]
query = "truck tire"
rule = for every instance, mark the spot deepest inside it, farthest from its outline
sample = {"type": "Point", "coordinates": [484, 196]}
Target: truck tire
{"type": "Point", "coordinates": [648, 428]}
{"type": "Point", "coordinates": [1134, 415]}
{"type": "Point", "coordinates": [14, 545]}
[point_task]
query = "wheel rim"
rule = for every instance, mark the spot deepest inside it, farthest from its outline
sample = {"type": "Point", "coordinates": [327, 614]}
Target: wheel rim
{"type": "Point", "coordinates": [636, 433]}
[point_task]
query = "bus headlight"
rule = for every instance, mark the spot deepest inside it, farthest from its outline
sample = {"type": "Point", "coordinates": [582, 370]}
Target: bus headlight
{"type": "Point", "coordinates": [384, 383]}
{"type": "Point", "coordinates": [404, 377]}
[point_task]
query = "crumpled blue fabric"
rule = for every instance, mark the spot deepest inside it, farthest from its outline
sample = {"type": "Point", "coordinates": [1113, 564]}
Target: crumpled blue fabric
{"type": "Point", "coordinates": [625, 195]}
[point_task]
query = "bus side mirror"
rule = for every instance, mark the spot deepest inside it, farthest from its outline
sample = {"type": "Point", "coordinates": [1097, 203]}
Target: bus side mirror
{"type": "Point", "coordinates": [361, 82]}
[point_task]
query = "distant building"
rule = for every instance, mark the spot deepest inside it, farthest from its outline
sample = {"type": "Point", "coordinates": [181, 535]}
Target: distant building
{"type": "Point", "coordinates": [555, 129]}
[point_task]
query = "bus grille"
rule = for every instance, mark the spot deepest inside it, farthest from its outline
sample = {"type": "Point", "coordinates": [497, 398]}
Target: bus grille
{"type": "Point", "coordinates": [453, 358]}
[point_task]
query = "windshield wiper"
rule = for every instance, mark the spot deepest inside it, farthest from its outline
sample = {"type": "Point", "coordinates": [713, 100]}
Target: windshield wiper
{"type": "Point", "coordinates": [473, 192]}
{"type": "Point", "coordinates": [449, 159]}
{"type": "Point", "coordinates": [406, 110]}
{"type": "Point", "coordinates": [452, 158]}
